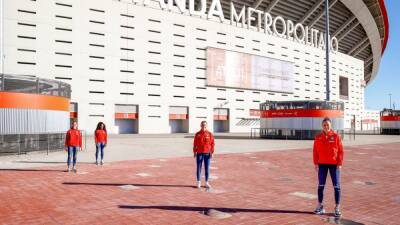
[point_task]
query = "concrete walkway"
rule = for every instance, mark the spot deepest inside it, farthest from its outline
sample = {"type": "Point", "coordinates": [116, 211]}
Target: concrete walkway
{"type": "Point", "coordinates": [137, 147]}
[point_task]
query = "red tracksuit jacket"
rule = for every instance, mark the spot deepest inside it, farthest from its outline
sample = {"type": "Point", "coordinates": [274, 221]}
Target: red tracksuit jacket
{"type": "Point", "coordinates": [100, 136]}
{"type": "Point", "coordinates": [203, 142]}
{"type": "Point", "coordinates": [328, 149]}
{"type": "Point", "coordinates": [73, 138]}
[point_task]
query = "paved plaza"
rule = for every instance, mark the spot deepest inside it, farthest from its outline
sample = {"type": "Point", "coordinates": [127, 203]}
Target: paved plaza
{"type": "Point", "coordinates": [253, 182]}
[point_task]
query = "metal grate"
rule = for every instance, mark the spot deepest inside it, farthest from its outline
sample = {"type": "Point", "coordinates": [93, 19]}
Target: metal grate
{"type": "Point", "coordinates": [24, 143]}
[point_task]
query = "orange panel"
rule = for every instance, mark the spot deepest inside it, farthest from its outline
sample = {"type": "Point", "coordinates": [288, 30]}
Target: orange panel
{"type": "Point", "coordinates": [178, 116]}
{"type": "Point", "coordinates": [301, 113]}
{"type": "Point", "coordinates": [221, 117]}
{"type": "Point", "coordinates": [127, 116]}
{"type": "Point", "coordinates": [255, 112]}
{"type": "Point", "coordinates": [33, 101]}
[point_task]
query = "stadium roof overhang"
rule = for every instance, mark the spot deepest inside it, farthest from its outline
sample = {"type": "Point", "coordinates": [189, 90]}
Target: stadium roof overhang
{"type": "Point", "coordinates": [361, 27]}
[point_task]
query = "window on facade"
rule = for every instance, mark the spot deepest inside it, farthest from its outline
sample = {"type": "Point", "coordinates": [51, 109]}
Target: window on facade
{"type": "Point", "coordinates": [344, 87]}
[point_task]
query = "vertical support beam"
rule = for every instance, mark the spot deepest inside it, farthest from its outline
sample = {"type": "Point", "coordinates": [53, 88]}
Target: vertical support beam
{"type": "Point", "coordinates": [271, 5]}
{"type": "Point", "coordinates": [2, 36]}
{"type": "Point", "coordinates": [257, 4]}
{"type": "Point", "coordinates": [362, 47]}
{"type": "Point", "coordinates": [48, 140]}
{"type": "Point", "coordinates": [327, 49]}
{"type": "Point", "coordinates": [316, 19]}
{"type": "Point", "coordinates": [37, 86]}
{"type": "Point", "coordinates": [359, 45]}
{"type": "Point", "coordinates": [310, 11]}
{"type": "Point", "coordinates": [344, 25]}
{"type": "Point", "coordinates": [19, 144]}
{"type": "Point", "coordinates": [348, 30]}
{"type": "Point", "coordinates": [368, 62]}
{"type": "Point", "coordinates": [2, 82]}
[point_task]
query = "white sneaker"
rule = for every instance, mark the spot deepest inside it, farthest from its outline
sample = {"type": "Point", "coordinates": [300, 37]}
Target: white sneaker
{"type": "Point", "coordinates": [319, 210]}
{"type": "Point", "coordinates": [208, 186]}
{"type": "Point", "coordinates": [101, 162]}
{"type": "Point", "coordinates": [74, 169]}
{"type": "Point", "coordinates": [199, 184]}
{"type": "Point", "coordinates": [338, 213]}
{"type": "Point", "coordinates": [97, 163]}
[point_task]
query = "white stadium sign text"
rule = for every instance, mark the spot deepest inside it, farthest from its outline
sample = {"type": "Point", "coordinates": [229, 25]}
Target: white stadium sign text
{"type": "Point", "coordinates": [246, 16]}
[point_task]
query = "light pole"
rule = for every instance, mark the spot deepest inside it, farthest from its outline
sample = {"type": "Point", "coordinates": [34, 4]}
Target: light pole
{"type": "Point", "coordinates": [390, 99]}
{"type": "Point", "coordinates": [327, 49]}
{"type": "Point", "coordinates": [2, 17]}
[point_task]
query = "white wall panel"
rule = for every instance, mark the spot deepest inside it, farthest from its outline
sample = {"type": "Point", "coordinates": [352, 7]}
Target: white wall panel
{"type": "Point", "coordinates": [299, 123]}
{"type": "Point", "coordinates": [25, 121]}
{"type": "Point", "coordinates": [390, 124]}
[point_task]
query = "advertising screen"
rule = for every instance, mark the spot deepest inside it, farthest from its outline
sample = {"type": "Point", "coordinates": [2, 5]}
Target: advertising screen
{"type": "Point", "coordinates": [240, 70]}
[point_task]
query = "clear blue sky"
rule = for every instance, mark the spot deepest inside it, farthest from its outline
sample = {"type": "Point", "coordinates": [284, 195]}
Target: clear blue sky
{"type": "Point", "coordinates": [388, 78]}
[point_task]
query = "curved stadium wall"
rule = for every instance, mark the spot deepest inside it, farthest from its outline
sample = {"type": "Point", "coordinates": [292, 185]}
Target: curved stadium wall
{"type": "Point", "coordinates": [34, 113]}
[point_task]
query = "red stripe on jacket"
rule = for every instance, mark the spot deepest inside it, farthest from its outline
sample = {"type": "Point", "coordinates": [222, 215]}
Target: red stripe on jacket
{"type": "Point", "coordinates": [73, 138]}
{"type": "Point", "coordinates": [328, 149]}
{"type": "Point", "coordinates": [100, 136]}
{"type": "Point", "coordinates": [203, 142]}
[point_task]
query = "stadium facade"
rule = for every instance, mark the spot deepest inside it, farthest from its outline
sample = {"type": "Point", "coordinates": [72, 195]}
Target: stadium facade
{"type": "Point", "coordinates": [144, 66]}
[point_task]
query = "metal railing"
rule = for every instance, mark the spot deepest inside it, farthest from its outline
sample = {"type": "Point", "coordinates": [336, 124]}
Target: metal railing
{"type": "Point", "coordinates": [24, 143]}
{"type": "Point", "coordinates": [34, 85]}
{"type": "Point", "coordinates": [255, 132]}
{"type": "Point", "coordinates": [351, 133]}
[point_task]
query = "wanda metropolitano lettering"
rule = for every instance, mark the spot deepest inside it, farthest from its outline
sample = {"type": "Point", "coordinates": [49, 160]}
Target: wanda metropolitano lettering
{"type": "Point", "coordinates": [245, 17]}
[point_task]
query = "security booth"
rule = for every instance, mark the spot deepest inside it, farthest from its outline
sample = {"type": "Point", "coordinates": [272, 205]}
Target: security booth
{"type": "Point", "coordinates": [221, 120]}
{"type": "Point", "coordinates": [390, 121]}
{"type": "Point", "coordinates": [179, 119]}
{"type": "Point", "coordinates": [300, 120]}
{"type": "Point", "coordinates": [126, 118]}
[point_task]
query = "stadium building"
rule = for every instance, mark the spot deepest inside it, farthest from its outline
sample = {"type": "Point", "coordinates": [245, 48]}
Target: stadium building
{"type": "Point", "coordinates": [162, 66]}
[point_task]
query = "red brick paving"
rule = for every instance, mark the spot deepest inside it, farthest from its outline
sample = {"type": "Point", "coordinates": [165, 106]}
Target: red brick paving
{"type": "Point", "coordinates": [255, 188]}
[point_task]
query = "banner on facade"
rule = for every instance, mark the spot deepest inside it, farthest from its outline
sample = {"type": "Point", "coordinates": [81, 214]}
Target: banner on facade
{"type": "Point", "coordinates": [240, 70]}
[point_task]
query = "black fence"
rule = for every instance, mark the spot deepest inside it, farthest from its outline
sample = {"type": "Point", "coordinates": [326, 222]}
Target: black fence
{"type": "Point", "coordinates": [11, 144]}
{"type": "Point", "coordinates": [34, 85]}
{"type": "Point", "coordinates": [390, 131]}
{"type": "Point", "coordinates": [291, 134]}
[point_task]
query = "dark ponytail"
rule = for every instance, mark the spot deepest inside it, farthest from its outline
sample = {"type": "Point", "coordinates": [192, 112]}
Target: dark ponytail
{"type": "Point", "coordinates": [99, 127]}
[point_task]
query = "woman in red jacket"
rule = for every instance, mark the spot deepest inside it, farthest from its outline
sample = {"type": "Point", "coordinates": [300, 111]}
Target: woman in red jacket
{"type": "Point", "coordinates": [328, 156]}
{"type": "Point", "coordinates": [100, 139]}
{"type": "Point", "coordinates": [73, 143]}
{"type": "Point", "coordinates": [203, 149]}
